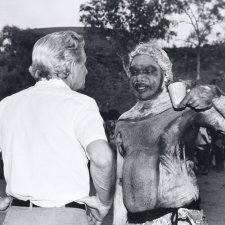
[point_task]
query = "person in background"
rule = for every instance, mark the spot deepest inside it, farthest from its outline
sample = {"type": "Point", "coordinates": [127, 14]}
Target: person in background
{"type": "Point", "coordinates": [49, 133]}
{"type": "Point", "coordinates": [155, 179]}
{"type": "Point", "coordinates": [203, 147]}
{"type": "Point", "coordinates": [218, 150]}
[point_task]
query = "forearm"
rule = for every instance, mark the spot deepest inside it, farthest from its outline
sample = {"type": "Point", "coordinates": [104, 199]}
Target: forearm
{"type": "Point", "coordinates": [103, 176]}
{"type": "Point", "coordinates": [215, 116]}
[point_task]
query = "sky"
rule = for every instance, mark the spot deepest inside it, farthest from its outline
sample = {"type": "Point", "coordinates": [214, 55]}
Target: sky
{"type": "Point", "coordinates": [40, 13]}
{"type": "Point", "coordinates": [53, 13]}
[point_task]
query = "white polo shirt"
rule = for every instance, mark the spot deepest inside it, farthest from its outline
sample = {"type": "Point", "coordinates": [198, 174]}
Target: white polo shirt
{"type": "Point", "coordinates": [44, 131]}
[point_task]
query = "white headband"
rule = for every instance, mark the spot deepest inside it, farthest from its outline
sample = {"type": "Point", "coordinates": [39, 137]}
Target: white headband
{"type": "Point", "coordinates": [158, 54]}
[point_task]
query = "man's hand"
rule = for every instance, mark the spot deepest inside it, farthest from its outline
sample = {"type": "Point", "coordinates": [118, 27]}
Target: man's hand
{"type": "Point", "coordinates": [96, 210]}
{"type": "Point", "coordinates": [102, 167]}
{"type": "Point", "coordinates": [200, 98]}
{"type": "Point", "coordinates": [4, 203]}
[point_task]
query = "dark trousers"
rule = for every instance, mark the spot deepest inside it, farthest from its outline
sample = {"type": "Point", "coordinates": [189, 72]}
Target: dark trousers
{"type": "Point", "coordinates": [219, 158]}
{"type": "Point", "coordinates": [203, 157]}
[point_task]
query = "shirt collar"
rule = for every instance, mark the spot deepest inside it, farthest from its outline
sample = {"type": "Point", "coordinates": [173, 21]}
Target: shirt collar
{"type": "Point", "coordinates": [52, 83]}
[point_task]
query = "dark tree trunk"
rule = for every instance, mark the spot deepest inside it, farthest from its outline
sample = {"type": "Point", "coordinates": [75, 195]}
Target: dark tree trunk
{"type": "Point", "coordinates": [198, 75]}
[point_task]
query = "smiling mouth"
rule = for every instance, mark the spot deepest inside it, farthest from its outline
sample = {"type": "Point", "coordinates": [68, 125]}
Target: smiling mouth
{"type": "Point", "coordinates": [140, 87]}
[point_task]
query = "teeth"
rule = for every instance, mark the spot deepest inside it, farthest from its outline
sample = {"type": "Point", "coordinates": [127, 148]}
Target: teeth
{"type": "Point", "coordinates": [140, 87]}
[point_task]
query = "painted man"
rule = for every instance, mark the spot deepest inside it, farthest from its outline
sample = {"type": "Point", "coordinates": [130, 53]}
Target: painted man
{"type": "Point", "coordinates": [155, 179]}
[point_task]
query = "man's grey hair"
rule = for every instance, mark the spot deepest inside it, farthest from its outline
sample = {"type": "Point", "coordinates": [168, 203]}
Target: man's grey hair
{"type": "Point", "coordinates": [54, 55]}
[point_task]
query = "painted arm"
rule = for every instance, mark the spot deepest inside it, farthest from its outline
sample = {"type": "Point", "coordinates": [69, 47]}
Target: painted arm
{"type": "Point", "coordinates": [209, 102]}
{"type": "Point", "coordinates": [119, 210]}
{"type": "Point", "coordinates": [219, 105]}
{"type": "Point", "coordinates": [214, 117]}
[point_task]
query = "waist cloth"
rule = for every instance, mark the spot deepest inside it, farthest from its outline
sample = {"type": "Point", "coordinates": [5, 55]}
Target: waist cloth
{"type": "Point", "coordinates": [149, 215]}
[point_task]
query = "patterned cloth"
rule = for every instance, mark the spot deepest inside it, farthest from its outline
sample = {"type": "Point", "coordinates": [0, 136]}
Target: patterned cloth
{"type": "Point", "coordinates": [183, 217]}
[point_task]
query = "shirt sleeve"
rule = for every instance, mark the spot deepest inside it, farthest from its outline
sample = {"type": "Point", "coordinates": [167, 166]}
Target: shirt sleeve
{"type": "Point", "coordinates": [89, 125]}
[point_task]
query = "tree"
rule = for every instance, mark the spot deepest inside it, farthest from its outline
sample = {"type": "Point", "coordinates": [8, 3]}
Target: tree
{"type": "Point", "coordinates": [202, 15]}
{"type": "Point", "coordinates": [15, 58]}
{"type": "Point", "coordinates": [124, 23]}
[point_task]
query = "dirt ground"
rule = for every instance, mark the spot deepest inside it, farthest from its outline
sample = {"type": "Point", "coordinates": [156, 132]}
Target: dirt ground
{"type": "Point", "coordinates": [212, 193]}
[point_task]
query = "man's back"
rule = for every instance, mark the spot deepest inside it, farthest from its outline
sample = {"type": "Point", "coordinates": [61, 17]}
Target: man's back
{"type": "Point", "coordinates": [47, 135]}
{"type": "Point", "coordinates": [43, 157]}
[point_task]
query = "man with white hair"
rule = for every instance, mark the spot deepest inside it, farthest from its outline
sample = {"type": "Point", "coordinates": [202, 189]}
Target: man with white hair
{"type": "Point", "coordinates": [155, 183]}
{"type": "Point", "coordinates": [49, 132]}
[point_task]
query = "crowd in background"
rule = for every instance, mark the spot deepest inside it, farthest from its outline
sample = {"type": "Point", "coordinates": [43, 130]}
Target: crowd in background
{"type": "Point", "coordinates": [209, 151]}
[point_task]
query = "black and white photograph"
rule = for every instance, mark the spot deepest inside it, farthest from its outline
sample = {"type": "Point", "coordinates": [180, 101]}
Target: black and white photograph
{"type": "Point", "coordinates": [112, 112]}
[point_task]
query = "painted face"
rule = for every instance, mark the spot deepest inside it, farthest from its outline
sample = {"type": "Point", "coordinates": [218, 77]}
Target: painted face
{"type": "Point", "coordinates": [145, 77]}
{"type": "Point", "coordinates": [78, 76]}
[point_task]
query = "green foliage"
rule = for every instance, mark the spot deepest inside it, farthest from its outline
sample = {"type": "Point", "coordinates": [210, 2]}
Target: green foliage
{"type": "Point", "coordinates": [15, 59]}
{"type": "Point", "coordinates": [126, 22]}
{"type": "Point", "coordinates": [106, 81]}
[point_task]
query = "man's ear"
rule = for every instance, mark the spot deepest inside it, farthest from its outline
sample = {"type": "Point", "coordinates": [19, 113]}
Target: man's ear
{"type": "Point", "coordinates": [34, 75]}
{"type": "Point", "coordinates": [67, 69]}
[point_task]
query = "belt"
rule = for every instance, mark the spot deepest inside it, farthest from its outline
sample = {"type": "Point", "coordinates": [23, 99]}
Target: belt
{"type": "Point", "coordinates": [149, 215]}
{"type": "Point", "coordinates": [17, 202]}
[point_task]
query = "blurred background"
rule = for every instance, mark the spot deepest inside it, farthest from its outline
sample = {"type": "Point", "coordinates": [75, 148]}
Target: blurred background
{"type": "Point", "coordinates": [192, 33]}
